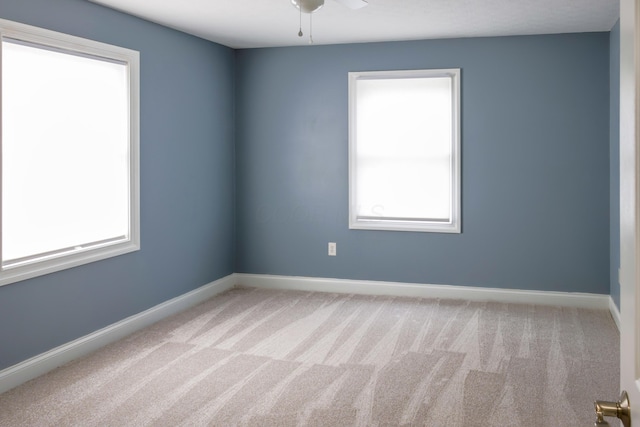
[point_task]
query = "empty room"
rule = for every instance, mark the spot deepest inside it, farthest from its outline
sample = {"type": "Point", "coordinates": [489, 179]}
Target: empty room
{"type": "Point", "coordinates": [328, 213]}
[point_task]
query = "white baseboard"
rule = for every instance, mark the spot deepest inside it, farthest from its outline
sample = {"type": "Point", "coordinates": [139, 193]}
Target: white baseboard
{"type": "Point", "coordinates": [367, 287]}
{"type": "Point", "coordinates": [45, 362]}
{"type": "Point", "coordinates": [615, 313]}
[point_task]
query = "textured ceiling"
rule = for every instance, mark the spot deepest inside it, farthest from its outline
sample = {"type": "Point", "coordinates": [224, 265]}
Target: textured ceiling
{"type": "Point", "coordinates": [269, 23]}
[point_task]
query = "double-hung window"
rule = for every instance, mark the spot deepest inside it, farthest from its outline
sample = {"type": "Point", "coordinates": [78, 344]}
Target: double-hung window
{"type": "Point", "coordinates": [404, 150]}
{"type": "Point", "coordinates": [69, 151]}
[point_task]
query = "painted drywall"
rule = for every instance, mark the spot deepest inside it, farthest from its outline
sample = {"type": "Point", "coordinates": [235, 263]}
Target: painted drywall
{"type": "Point", "coordinates": [614, 163]}
{"type": "Point", "coordinates": [535, 168]}
{"type": "Point", "coordinates": [187, 173]}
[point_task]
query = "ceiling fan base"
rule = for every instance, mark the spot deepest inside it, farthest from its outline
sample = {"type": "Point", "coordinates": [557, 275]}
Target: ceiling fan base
{"type": "Point", "coordinates": [308, 6]}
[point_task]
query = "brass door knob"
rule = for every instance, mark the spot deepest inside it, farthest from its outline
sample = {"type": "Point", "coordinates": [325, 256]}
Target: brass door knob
{"type": "Point", "coordinates": [619, 409]}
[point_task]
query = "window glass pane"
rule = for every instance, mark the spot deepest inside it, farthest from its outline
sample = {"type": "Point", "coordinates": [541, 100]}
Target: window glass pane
{"type": "Point", "coordinates": [404, 148]}
{"type": "Point", "coordinates": [65, 156]}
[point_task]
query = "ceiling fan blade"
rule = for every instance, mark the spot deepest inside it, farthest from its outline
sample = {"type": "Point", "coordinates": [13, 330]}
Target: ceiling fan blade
{"type": "Point", "coordinates": [353, 4]}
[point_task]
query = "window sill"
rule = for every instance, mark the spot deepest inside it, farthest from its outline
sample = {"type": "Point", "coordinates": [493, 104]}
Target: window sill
{"type": "Point", "coordinates": [415, 226]}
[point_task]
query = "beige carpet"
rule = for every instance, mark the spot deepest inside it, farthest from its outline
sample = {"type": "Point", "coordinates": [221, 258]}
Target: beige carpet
{"type": "Point", "coordinates": [270, 358]}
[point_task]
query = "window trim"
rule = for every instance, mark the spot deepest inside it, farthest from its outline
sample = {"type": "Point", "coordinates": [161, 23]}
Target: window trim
{"type": "Point", "coordinates": [96, 251]}
{"type": "Point", "coordinates": [368, 223]}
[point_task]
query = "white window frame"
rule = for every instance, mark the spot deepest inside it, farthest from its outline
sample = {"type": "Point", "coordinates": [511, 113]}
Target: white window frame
{"type": "Point", "coordinates": [99, 250]}
{"type": "Point", "coordinates": [408, 224]}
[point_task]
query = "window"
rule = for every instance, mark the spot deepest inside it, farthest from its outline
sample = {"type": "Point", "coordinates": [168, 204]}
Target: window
{"type": "Point", "coordinates": [69, 144]}
{"type": "Point", "coordinates": [404, 150]}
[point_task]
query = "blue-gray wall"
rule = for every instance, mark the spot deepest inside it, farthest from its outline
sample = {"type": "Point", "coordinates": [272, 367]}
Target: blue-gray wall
{"type": "Point", "coordinates": [614, 162]}
{"type": "Point", "coordinates": [535, 174]}
{"type": "Point", "coordinates": [187, 174]}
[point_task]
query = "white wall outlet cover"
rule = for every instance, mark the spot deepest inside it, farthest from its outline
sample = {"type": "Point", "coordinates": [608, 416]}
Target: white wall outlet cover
{"type": "Point", "coordinates": [332, 249]}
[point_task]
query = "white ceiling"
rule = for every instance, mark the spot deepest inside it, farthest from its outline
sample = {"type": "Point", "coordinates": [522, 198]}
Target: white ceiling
{"type": "Point", "coordinates": [269, 23]}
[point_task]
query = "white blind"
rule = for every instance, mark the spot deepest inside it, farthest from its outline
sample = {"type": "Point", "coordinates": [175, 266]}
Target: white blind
{"type": "Point", "coordinates": [65, 158]}
{"type": "Point", "coordinates": [404, 148]}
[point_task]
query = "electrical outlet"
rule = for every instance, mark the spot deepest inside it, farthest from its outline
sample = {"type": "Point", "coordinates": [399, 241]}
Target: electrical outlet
{"type": "Point", "coordinates": [332, 249]}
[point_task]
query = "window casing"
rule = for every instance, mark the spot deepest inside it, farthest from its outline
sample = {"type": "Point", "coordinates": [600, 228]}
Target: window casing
{"type": "Point", "coordinates": [404, 150]}
{"type": "Point", "coordinates": [69, 139]}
